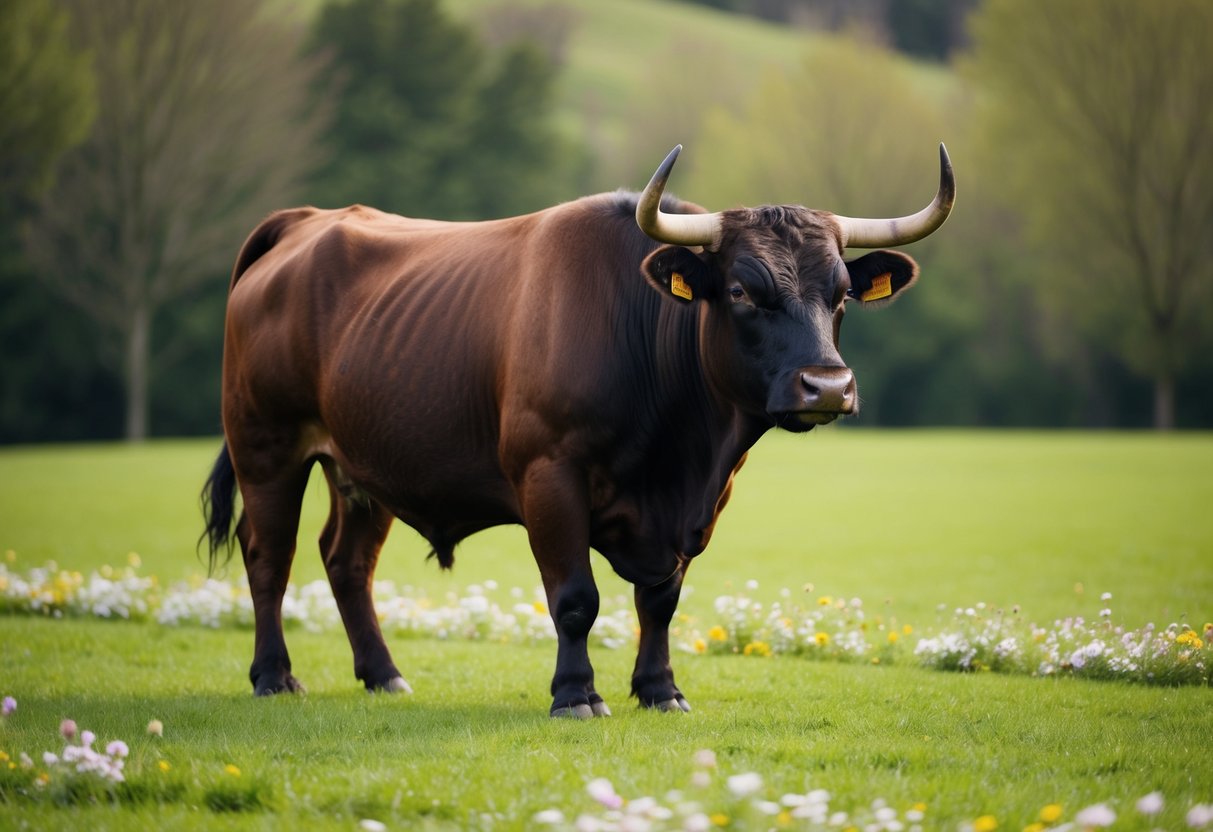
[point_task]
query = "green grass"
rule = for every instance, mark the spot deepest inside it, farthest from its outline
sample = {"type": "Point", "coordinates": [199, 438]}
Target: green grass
{"type": "Point", "coordinates": [919, 518]}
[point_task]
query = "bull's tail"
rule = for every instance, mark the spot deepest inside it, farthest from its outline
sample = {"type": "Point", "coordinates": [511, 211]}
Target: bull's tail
{"type": "Point", "coordinates": [218, 509]}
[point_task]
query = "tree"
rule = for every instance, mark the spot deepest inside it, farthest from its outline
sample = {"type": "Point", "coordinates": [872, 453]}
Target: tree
{"type": "Point", "coordinates": [431, 123]}
{"type": "Point", "coordinates": [204, 125]}
{"type": "Point", "coordinates": [1097, 113]}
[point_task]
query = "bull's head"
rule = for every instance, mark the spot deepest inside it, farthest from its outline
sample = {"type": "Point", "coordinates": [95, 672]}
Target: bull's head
{"type": "Point", "coordinates": [774, 287]}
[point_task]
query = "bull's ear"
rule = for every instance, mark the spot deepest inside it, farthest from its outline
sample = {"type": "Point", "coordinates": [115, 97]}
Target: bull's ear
{"type": "Point", "coordinates": [677, 272]}
{"type": "Point", "coordinates": [876, 278]}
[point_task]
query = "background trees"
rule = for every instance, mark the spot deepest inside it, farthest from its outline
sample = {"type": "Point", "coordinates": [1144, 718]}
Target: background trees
{"type": "Point", "coordinates": [203, 125]}
{"type": "Point", "coordinates": [1072, 279]}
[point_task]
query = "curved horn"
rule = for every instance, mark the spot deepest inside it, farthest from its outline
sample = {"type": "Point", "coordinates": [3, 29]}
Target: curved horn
{"type": "Point", "coordinates": [866, 233]}
{"type": "Point", "coordinates": [678, 229]}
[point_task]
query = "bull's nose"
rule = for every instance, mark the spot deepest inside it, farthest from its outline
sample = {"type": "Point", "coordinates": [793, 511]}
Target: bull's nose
{"type": "Point", "coordinates": [828, 389]}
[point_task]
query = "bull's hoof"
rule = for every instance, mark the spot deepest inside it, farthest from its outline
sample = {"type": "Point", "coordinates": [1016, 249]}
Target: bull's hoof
{"type": "Point", "coordinates": [289, 684]}
{"type": "Point", "coordinates": [394, 685]}
{"type": "Point", "coordinates": [676, 705]}
{"type": "Point", "coordinates": [582, 711]}
{"type": "Point", "coordinates": [600, 708]}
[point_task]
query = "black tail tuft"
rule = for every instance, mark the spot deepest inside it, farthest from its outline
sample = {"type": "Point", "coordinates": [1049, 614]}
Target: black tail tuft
{"type": "Point", "coordinates": [218, 508]}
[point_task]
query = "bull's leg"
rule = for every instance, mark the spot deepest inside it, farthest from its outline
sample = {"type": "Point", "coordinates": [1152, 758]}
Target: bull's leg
{"type": "Point", "coordinates": [266, 533]}
{"type": "Point", "coordinates": [350, 544]}
{"type": "Point", "coordinates": [653, 678]}
{"type": "Point", "coordinates": [557, 522]}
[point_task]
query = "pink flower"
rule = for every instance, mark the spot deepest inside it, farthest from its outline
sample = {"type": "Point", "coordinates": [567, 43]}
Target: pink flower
{"type": "Point", "coordinates": [67, 728]}
{"type": "Point", "coordinates": [1200, 816]}
{"type": "Point", "coordinates": [117, 748]}
{"type": "Point", "coordinates": [1151, 804]}
{"type": "Point", "coordinates": [86, 737]}
{"type": "Point", "coordinates": [8, 706]}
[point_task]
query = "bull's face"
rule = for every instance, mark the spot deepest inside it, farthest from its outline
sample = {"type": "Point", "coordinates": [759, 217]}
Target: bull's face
{"type": "Point", "coordinates": [775, 287]}
{"type": "Point", "coordinates": [776, 294]}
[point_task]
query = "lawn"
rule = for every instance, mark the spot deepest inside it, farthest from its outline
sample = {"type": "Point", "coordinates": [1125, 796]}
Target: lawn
{"type": "Point", "coordinates": [907, 521]}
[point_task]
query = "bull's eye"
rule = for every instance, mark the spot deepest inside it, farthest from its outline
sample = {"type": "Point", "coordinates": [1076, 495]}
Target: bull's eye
{"type": "Point", "coordinates": [736, 293]}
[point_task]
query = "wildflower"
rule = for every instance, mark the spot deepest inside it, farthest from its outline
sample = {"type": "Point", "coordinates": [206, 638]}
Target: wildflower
{"type": "Point", "coordinates": [8, 706]}
{"type": "Point", "coordinates": [67, 728]}
{"type": "Point", "coordinates": [549, 816]}
{"type": "Point", "coordinates": [540, 608]}
{"type": "Point", "coordinates": [1107, 596]}
{"type": "Point", "coordinates": [1200, 816]}
{"type": "Point", "coordinates": [700, 646]}
{"type": "Point", "coordinates": [757, 648]}
{"type": "Point", "coordinates": [1188, 638]}
{"type": "Point", "coordinates": [117, 748]}
{"type": "Point", "coordinates": [893, 638]}
{"type": "Point", "coordinates": [372, 825]}
{"type": "Point", "coordinates": [1035, 827]}
{"type": "Point", "coordinates": [1099, 814]}
{"type": "Point", "coordinates": [156, 728]}
{"type": "Point", "coordinates": [701, 779]}
{"type": "Point", "coordinates": [744, 785]}
{"type": "Point", "coordinates": [232, 770]}
{"type": "Point", "coordinates": [601, 790]}
{"type": "Point", "coordinates": [825, 601]}
{"type": "Point", "coordinates": [751, 585]}
{"type": "Point", "coordinates": [49, 759]}
{"type": "Point", "coordinates": [907, 629]}
{"type": "Point", "coordinates": [1051, 813]}
{"type": "Point", "coordinates": [698, 822]}
{"type": "Point", "coordinates": [1151, 804]}
{"type": "Point", "coordinates": [164, 765]}
{"type": "Point", "coordinates": [719, 819]}
{"type": "Point", "coordinates": [985, 823]}
{"type": "Point", "coordinates": [705, 758]}
{"type": "Point", "coordinates": [822, 639]}
{"type": "Point", "coordinates": [718, 633]}
{"type": "Point", "coordinates": [87, 737]}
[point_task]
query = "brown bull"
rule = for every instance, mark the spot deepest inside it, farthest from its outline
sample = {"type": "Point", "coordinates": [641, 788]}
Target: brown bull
{"type": "Point", "coordinates": [595, 372]}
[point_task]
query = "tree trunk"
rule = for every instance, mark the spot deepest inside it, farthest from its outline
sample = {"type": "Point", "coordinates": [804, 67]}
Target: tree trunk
{"type": "Point", "coordinates": [137, 340]}
{"type": "Point", "coordinates": [1164, 403]}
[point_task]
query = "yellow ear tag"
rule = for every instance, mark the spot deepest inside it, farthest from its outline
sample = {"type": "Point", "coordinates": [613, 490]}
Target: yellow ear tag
{"type": "Point", "coordinates": [882, 287]}
{"type": "Point", "coordinates": [680, 287]}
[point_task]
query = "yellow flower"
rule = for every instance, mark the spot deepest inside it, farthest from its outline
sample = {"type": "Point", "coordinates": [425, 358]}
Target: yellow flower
{"type": "Point", "coordinates": [919, 807]}
{"type": "Point", "coordinates": [876, 660]}
{"type": "Point", "coordinates": [907, 629]}
{"type": "Point", "coordinates": [985, 823]}
{"type": "Point", "coordinates": [1189, 638]}
{"type": "Point", "coordinates": [540, 607]}
{"type": "Point", "coordinates": [825, 601]}
{"type": "Point", "coordinates": [784, 818]}
{"type": "Point", "coordinates": [3, 757]}
{"type": "Point", "coordinates": [165, 766]}
{"type": "Point", "coordinates": [719, 819]}
{"type": "Point", "coordinates": [134, 560]}
{"type": "Point", "coordinates": [232, 770]}
{"type": "Point", "coordinates": [822, 639]}
{"type": "Point", "coordinates": [718, 633]}
{"type": "Point", "coordinates": [700, 645]}
{"type": "Point", "coordinates": [1035, 827]}
{"type": "Point", "coordinates": [10, 555]}
{"type": "Point", "coordinates": [757, 648]}
{"type": "Point", "coordinates": [893, 638]}
{"type": "Point", "coordinates": [1051, 813]}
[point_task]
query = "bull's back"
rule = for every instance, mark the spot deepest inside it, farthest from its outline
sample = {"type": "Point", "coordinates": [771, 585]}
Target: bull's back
{"type": "Point", "coordinates": [374, 338]}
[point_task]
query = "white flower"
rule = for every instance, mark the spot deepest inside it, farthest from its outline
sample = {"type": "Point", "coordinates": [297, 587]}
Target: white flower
{"type": "Point", "coordinates": [117, 748]}
{"type": "Point", "coordinates": [601, 790]}
{"type": "Point", "coordinates": [744, 785]}
{"type": "Point", "coordinates": [768, 807]}
{"type": "Point", "coordinates": [371, 825]}
{"type": "Point", "coordinates": [550, 816]}
{"type": "Point", "coordinates": [1200, 816]}
{"type": "Point", "coordinates": [1107, 596]}
{"type": "Point", "coordinates": [751, 585]}
{"type": "Point", "coordinates": [1151, 804]}
{"type": "Point", "coordinates": [49, 759]}
{"type": "Point", "coordinates": [1098, 815]}
{"type": "Point", "coordinates": [701, 779]}
{"type": "Point", "coordinates": [705, 758]}
{"type": "Point", "coordinates": [698, 822]}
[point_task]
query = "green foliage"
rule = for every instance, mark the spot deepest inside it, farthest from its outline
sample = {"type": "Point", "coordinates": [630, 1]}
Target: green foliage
{"type": "Point", "coordinates": [1095, 120]}
{"type": "Point", "coordinates": [431, 124]}
{"type": "Point", "coordinates": [46, 95]}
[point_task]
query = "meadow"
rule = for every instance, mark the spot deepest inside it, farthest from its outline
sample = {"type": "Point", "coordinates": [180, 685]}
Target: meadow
{"type": "Point", "coordinates": [916, 524]}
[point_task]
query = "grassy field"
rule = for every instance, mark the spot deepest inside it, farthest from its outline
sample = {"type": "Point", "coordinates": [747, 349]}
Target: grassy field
{"type": "Point", "coordinates": [905, 520]}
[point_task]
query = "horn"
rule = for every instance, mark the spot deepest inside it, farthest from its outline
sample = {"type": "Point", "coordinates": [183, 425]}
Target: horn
{"type": "Point", "coordinates": [678, 229]}
{"type": "Point", "coordinates": [868, 233]}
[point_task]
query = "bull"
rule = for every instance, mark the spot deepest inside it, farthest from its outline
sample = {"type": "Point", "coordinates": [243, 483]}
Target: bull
{"type": "Point", "coordinates": [596, 372]}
